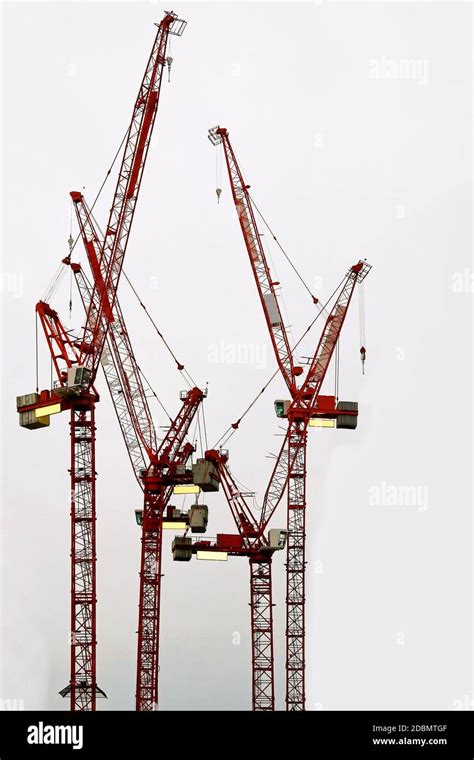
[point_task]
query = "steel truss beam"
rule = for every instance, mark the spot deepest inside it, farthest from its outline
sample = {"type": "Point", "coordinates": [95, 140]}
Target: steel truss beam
{"type": "Point", "coordinates": [261, 606]}
{"type": "Point", "coordinates": [83, 686]}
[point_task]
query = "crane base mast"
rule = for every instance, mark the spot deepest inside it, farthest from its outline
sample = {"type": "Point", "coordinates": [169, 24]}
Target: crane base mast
{"type": "Point", "coordinates": [149, 605]}
{"type": "Point", "coordinates": [83, 690]}
{"type": "Point", "coordinates": [261, 606]}
{"type": "Point", "coordinates": [295, 568]}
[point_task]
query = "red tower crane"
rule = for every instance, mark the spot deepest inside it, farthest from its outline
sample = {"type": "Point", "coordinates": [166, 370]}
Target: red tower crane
{"type": "Point", "coordinates": [306, 404]}
{"type": "Point", "coordinates": [76, 368]}
{"type": "Point", "coordinates": [158, 468]}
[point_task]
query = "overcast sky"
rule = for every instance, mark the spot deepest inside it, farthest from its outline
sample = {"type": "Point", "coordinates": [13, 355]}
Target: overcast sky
{"type": "Point", "coordinates": [352, 123]}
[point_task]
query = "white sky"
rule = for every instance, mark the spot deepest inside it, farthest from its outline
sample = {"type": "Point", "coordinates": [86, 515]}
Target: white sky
{"type": "Point", "coordinates": [344, 164]}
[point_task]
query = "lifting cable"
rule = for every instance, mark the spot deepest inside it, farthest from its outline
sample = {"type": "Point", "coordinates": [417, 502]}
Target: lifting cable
{"type": "Point", "coordinates": [103, 182]}
{"type": "Point", "coordinates": [362, 324]}
{"type": "Point", "coordinates": [147, 382]}
{"type": "Point", "coordinates": [234, 426]}
{"type": "Point", "coordinates": [197, 436]}
{"type": "Point", "coordinates": [361, 314]}
{"type": "Point", "coordinates": [52, 287]}
{"type": "Point", "coordinates": [54, 283]}
{"type": "Point", "coordinates": [152, 390]}
{"type": "Point", "coordinates": [180, 367]}
{"type": "Point", "coordinates": [187, 377]}
{"type": "Point", "coordinates": [200, 434]}
{"type": "Point", "coordinates": [36, 352]}
{"type": "Point", "coordinates": [194, 435]}
{"type": "Point", "coordinates": [204, 424]}
{"type": "Point", "coordinates": [70, 294]}
{"type": "Point", "coordinates": [244, 489]}
{"type": "Point", "coordinates": [300, 277]}
{"type": "Point", "coordinates": [154, 393]}
{"type": "Point", "coordinates": [70, 243]}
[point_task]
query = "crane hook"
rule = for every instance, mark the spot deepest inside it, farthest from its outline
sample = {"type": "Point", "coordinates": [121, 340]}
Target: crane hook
{"type": "Point", "coordinates": [169, 61]}
{"type": "Point", "coordinates": [218, 193]}
{"type": "Point", "coordinates": [362, 357]}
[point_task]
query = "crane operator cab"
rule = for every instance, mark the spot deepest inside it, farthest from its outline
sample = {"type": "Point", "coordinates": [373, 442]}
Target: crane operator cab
{"type": "Point", "coordinates": [78, 377]}
{"type": "Point", "coordinates": [277, 538]}
{"type": "Point", "coordinates": [281, 408]}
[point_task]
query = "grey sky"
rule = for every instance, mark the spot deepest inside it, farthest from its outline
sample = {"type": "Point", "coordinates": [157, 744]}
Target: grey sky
{"type": "Point", "coordinates": [352, 123]}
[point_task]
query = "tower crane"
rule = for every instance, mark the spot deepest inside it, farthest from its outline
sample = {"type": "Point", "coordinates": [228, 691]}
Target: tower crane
{"type": "Point", "coordinates": [76, 372]}
{"type": "Point", "coordinates": [306, 407]}
{"type": "Point", "coordinates": [158, 468]}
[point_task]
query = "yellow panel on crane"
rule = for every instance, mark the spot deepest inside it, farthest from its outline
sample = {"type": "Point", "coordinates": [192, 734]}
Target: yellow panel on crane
{"type": "Point", "coordinates": [220, 556]}
{"type": "Point", "coordinates": [321, 422]}
{"type": "Point", "coordinates": [174, 525]}
{"type": "Point", "coordinates": [186, 489]}
{"type": "Point", "coordinates": [45, 411]}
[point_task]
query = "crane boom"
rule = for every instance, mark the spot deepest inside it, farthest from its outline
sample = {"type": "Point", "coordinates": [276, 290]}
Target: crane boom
{"type": "Point", "coordinates": [243, 516]}
{"type": "Point", "coordinates": [126, 195]}
{"type": "Point", "coordinates": [63, 352]}
{"type": "Point", "coordinates": [125, 384]}
{"type": "Point", "coordinates": [121, 392]}
{"type": "Point", "coordinates": [303, 405]}
{"type": "Point", "coordinates": [316, 373]}
{"type": "Point", "coordinates": [175, 437]}
{"type": "Point", "coordinates": [266, 286]}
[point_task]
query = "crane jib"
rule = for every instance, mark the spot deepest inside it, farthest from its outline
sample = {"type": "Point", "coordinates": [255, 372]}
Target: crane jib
{"type": "Point", "coordinates": [105, 305]}
{"type": "Point", "coordinates": [145, 131]}
{"type": "Point", "coordinates": [263, 280]}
